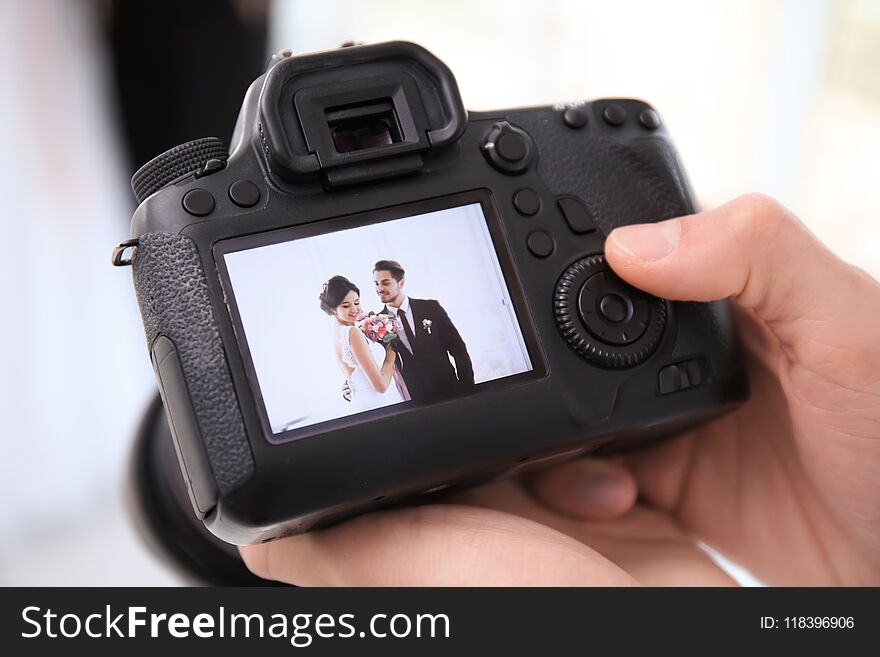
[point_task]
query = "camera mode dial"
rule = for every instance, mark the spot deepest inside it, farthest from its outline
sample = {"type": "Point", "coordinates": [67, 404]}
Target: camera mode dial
{"type": "Point", "coordinates": [205, 155]}
{"type": "Point", "coordinates": [604, 319]}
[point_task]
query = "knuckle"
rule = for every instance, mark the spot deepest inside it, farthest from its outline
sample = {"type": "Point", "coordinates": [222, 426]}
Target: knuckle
{"type": "Point", "coordinates": [758, 214]}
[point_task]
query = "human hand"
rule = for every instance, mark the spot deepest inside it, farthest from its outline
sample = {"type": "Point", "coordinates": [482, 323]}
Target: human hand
{"type": "Point", "coordinates": [786, 486]}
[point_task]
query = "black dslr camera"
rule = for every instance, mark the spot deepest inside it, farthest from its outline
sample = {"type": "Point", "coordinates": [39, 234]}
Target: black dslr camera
{"type": "Point", "coordinates": [374, 295]}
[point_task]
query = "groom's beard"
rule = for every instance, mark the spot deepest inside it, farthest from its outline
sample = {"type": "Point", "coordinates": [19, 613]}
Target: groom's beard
{"type": "Point", "coordinates": [391, 300]}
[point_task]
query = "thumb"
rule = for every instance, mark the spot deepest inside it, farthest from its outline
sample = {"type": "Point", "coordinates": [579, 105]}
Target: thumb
{"type": "Point", "coordinates": [755, 251]}
{"type": "Point", "coordinates": [823, 312]}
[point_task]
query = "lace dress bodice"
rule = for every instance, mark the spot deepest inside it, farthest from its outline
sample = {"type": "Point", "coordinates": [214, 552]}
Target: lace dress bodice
{"type": "Point", "coordinates": [345, 342]}
{"type": "Point", "coordinates": [363, 396]}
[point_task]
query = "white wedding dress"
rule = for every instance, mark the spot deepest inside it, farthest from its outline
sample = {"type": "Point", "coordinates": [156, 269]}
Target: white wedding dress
{"type": "Point", "coordinates": [363, 396]}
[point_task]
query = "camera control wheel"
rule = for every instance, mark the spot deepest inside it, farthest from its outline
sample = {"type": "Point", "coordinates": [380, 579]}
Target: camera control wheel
{"type": "Point", "coordinates": [205, 155]}
{"type": "Point", "coordinates": [604, 319]}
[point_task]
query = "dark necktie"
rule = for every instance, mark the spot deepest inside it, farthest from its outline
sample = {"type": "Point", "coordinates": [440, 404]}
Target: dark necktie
{"type": "Point", "coordinates": [406, 329]}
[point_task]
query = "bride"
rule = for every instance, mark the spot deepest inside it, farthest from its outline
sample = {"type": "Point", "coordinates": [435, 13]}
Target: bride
{"type": "Point", "coordinates": [370, 382]}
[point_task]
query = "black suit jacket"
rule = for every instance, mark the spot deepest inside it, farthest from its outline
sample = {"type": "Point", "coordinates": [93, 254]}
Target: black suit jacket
{"type": "Point", "coordinates": [427, 371]}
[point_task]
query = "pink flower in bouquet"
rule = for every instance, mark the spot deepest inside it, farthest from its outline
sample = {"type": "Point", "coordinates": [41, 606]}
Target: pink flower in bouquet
{"type": "Point", "coordinates": [383, 329]}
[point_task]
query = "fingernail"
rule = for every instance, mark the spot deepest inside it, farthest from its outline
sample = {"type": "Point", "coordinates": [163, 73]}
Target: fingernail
{"type": "Point", "coordinates": [648, 242]}
{"type": "Point", "coordinates": [602, 491]}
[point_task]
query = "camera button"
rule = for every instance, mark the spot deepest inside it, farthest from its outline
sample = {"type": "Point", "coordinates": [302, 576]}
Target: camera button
{"type": "Point", "coordinates": [669, 380]}
{"type": "Point", "coordinates": [198, 202]}
{"type": "Point", "coordinates": [649, 119]}
{"type": "Point", "coordinates": [244, 193]}
{"type": "Point", "coordinates": [575, 117]}
{"type": "Point", "coordinates": [681, 376]}
{"type": "Point", "coordinates": [527, 202]}
{"type": "Point", "coordinates": [540, 243]}
{"type": "Point", "coordinates": [615, 308]}
{"type": "Point", "coordinates": [576, 215]}
{"type": "Point", "coordinates": [695, 370]}
{"type": "Point", "coordinates": [512, 147]}
{"type": "Point", "coordinates": [508, 148]}
{"type": "Point", "coordinates": [614, 114]}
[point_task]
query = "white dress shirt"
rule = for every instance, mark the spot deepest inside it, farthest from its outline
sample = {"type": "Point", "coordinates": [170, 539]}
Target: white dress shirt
{"type": "Point", "coordinates": [404, 306]}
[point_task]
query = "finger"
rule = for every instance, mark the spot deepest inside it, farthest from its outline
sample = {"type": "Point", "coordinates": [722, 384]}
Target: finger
{"type": "Point", "coordinates": [752, 249]}
{"type": "Point", "coordinates": [588, 489]}
{"type": "Point", "coordinates": [645, 543]}
{"type": "Point", "coordinates": [434, 545]}
{"type": "Point", "coordinates": [822, 311]}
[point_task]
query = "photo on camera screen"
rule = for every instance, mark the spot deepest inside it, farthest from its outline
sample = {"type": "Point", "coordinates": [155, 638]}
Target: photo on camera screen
{"type": "Point", "coordinates": [407, 310]}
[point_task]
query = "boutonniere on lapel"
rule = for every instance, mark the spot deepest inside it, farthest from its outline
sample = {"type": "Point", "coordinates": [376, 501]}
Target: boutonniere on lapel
{"type": "Point", "coordinates": [426, 324]}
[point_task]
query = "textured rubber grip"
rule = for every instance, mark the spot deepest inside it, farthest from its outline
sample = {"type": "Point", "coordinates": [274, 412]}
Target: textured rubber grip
{"type": "Point", "coordinates": [178, 161]}
{"type": "Point", "coordinates": [173, 295]}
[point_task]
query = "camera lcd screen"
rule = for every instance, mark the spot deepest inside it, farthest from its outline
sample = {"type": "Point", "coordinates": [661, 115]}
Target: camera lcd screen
{"type": "Point", "coordinates": [374, 317]}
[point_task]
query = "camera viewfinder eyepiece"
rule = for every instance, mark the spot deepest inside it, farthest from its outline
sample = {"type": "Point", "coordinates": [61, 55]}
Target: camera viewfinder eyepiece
{"type": "Point", "coordinates": [363, 126]}
{"type": "Point", "coordinates": [358, 114]}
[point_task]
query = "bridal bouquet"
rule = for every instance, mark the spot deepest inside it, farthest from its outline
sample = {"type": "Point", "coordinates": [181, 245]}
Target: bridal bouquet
{"type": "Point", "coordinates": [383, 329]}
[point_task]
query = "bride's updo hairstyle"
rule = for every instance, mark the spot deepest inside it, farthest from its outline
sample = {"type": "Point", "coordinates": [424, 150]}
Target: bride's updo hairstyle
{"type": "Point", "coordinates": [334, 292]}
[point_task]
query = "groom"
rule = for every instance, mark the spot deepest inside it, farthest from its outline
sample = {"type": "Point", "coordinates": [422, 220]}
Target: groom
{"type": "Point", "coordinates": [429, 338]}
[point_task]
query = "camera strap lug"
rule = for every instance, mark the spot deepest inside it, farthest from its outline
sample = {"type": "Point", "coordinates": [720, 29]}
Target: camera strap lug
{"type": "Point", "coordinates": [118, 258]}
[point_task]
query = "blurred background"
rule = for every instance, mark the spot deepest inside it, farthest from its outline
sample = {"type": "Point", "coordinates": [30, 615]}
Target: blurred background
{"type": "Point", "coordinates": [779, 96]}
